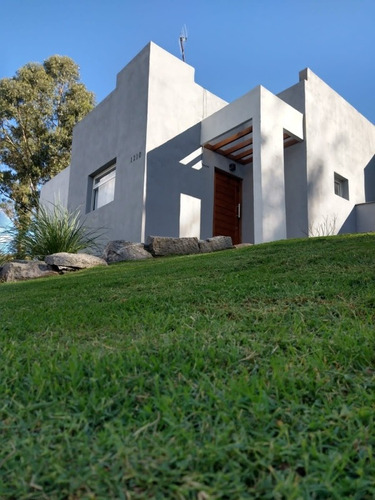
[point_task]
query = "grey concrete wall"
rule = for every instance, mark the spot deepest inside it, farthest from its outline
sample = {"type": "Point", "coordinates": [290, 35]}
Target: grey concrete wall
{"type": "Point", "coordinates": [245, 110]}
{"type": "Point", "coordinates": [175, 101]}
{"type": "Point", "coordinates": [270, 117]}
{"type": "Point", "coordinates": [55, 192]}
{"type": "Point", "coordinates": [168, 177]}
{"type": "Point", "coordinates": [176, 106]}
{"type": "Point", "coordinates": [157, 119]}
{"type": "Point", "coordinates": [115, 129]}
{"type": "Point", "coordinates": [369, 179]}
{"type": "Point", "coordinates": [295, 177]}
{"type": "Point", "coordinates": [338, 139]}
{"type": "Point", "coordinates": [365, 217]}
{"type": "Point", "coordinates": [295, 95]}
{"type": "Point", "coordinates": [295, 171]}
{"type": "Point", "coordinates": [149, 125]}
{"type": "Point", "coordinates": [276, 118]}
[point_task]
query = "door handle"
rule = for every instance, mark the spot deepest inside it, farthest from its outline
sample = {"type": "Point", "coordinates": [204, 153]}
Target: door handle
{"type": "Point", "coordinates": [239, 211]}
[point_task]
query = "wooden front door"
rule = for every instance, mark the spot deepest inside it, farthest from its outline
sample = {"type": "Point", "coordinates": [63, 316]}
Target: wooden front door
{"type": "Point", "coordinates": [227, 206]}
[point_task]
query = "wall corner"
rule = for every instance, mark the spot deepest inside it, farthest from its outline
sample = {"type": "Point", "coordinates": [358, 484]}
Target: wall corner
{"type": "Point", "coordinates": [304, 74]}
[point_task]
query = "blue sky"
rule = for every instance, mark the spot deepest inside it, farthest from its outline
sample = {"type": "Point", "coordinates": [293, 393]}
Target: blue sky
{"type": "Point", "coordinates": [233, 44]}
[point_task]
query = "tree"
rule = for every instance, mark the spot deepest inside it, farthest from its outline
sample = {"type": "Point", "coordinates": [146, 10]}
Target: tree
{"type": "Point", "coordinates": [39, 107]}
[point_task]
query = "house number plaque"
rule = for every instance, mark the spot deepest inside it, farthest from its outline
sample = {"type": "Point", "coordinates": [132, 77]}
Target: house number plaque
{"type": "Point", "coordinates": [135, 157]}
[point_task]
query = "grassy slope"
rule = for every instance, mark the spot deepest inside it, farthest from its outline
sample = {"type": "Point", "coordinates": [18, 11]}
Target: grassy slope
{"type": "Point", "coordinates": [241, 374]}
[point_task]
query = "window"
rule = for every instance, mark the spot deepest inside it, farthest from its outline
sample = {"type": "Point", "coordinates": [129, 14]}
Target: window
{"type": "Point", "coordinates": [104, 187]}
{"type": "Point", "coordinates": [338, 188]}
{"type": "Point", "coordinates": [341, 186]}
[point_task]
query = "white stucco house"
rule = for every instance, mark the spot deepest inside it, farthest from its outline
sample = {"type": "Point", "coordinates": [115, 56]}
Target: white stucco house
{"type": "Point", "coordinates": [163, 156]}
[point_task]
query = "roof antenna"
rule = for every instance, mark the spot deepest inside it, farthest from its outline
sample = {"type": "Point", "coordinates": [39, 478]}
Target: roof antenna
{"type": "Point", "coordinates": [183, 39]}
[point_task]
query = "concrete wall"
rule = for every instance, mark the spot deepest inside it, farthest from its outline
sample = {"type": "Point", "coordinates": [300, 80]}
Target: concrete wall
{"type": "Point", "coordinates": [115, 129]}
{"type": "Point", "coordinates": [369, 174]}
{"type": "Point", "coordinates": [154, 125]}
{"type": "Point", "coordinates": [55, 191]}
{"type": "Point", "coordinates": [264, 208]}
{"type": "Point", "coordinates": [175, 171]}
{"type": "Point", "coordinates": [245, 110]}
{"type": "Point", "coordinates": [276, 118]}
{"type": "Point", "coordinates": [365, 213]}
{"type": "Point", "coordinates": [295, 178]}
{"type": "Point", "coordinates": [295, 171]}
{"type": "Point", "coordinates": [150, 125]}
{"type": "Point", "coordinates": [338, 139]}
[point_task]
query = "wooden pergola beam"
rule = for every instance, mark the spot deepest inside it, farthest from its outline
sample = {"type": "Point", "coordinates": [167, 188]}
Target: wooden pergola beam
{"type": "Point", "coordinates": [250, 160]}
{"type": "Point", "coordinates": [290, 142]}
{"type": "Point", "coordinates": [238, 146]}
{"type": "Point", "coordinates": [230, 139]}
{"type": "Point", "coordinates": [243, 154]}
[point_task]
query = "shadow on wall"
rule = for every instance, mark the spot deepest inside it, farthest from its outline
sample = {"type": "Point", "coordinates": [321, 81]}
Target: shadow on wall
{"type": "Point", "coordinates": [320, 193]}
{"type": "Point", "coordinates": [369, 179]}
{"type": "Point", "coordinates": [175, 172]}
{"type": "Point", "coordinates": [272, 188]}
{"type": "Point", "coordinates": [350, 224]}
{"type": "Point", "coordinates": [295, 176]}
{"type": "Point", "coordinates": [313, 186]}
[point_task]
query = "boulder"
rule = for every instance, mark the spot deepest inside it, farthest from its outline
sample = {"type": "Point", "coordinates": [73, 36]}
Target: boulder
{"type": "Point", "coordinates": [120, 250]}
{"type": "Point", "coordinates": [25, 270]}
{"type": "Point", "coordinates": [161, 246]}
{"type": "Point", "coordinates": [216, 243]}
{"type": "Point", "coordinates": [64, 261]}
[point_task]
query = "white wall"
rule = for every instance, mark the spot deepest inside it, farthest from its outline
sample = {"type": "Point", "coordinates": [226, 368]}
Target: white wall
{"type": "Point", "coordinates": [157, 119]}
{"type": "Point", "coordinates": [264, 206]}
{"type": "Point", "coordinates": [365, 217]}
{"type": "Point", "coordinates": [190, 216]}
{"type": "Point", "coordinates": [116, 128]}
{"type": "Point", "coordinates": [276, 117]}
{"type": "Point", "coordinates": [55, 192]}
{"type": "Point", "coordinates": [338, 139]}
{"type": "Point", "coordinates": [176, 106]}
{"type": "Point", "coordinates": [155, 98]}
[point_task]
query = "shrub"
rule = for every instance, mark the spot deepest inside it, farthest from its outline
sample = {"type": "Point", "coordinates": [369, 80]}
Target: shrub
{"type": "Point", "coordinates": [56, 229]}
{"type": "Point", "coordinates": [4, 243]}
{"type": "Point", "coordinates": [327, 227]}
{"type": "Point", "coordinates": [3, 257]}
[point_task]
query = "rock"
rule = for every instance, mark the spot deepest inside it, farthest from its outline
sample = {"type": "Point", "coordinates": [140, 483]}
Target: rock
{"type": "Point", "coordinates": [216, 243]}
{"type": "Point", "coordinates": [64, 261]}
{"type": "Point", "coordinates": [243, 245]}
{"type": "Point", "coordinates": [161, 246]}
{"type": "Point", "coordinates": [120, 250]}
{"type": "Point", "coordinates": [25, 270]}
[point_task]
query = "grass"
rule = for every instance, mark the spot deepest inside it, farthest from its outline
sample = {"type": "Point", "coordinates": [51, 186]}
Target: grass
{"type": "Point", "coordinates": [243, 374]}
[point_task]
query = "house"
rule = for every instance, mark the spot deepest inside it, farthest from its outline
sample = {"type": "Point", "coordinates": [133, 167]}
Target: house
{"type": "Point", "coordinates": [163, 156]}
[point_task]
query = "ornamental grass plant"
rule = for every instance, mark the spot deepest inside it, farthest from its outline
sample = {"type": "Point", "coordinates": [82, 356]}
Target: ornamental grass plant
{"type": "Point", "coordinates": [4, 244]}
{"type": "Point", "coordinates": [53, 229]}
{"type": "Point", "coordinates": [3, 257]}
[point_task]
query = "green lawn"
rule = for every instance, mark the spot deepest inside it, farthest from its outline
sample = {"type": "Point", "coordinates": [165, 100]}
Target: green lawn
{"type": "Point", "coordinates": [243, 374]}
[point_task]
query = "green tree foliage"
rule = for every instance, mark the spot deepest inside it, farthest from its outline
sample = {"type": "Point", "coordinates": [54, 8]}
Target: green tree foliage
{"type": "Point", "coordinates": [39, 107]}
